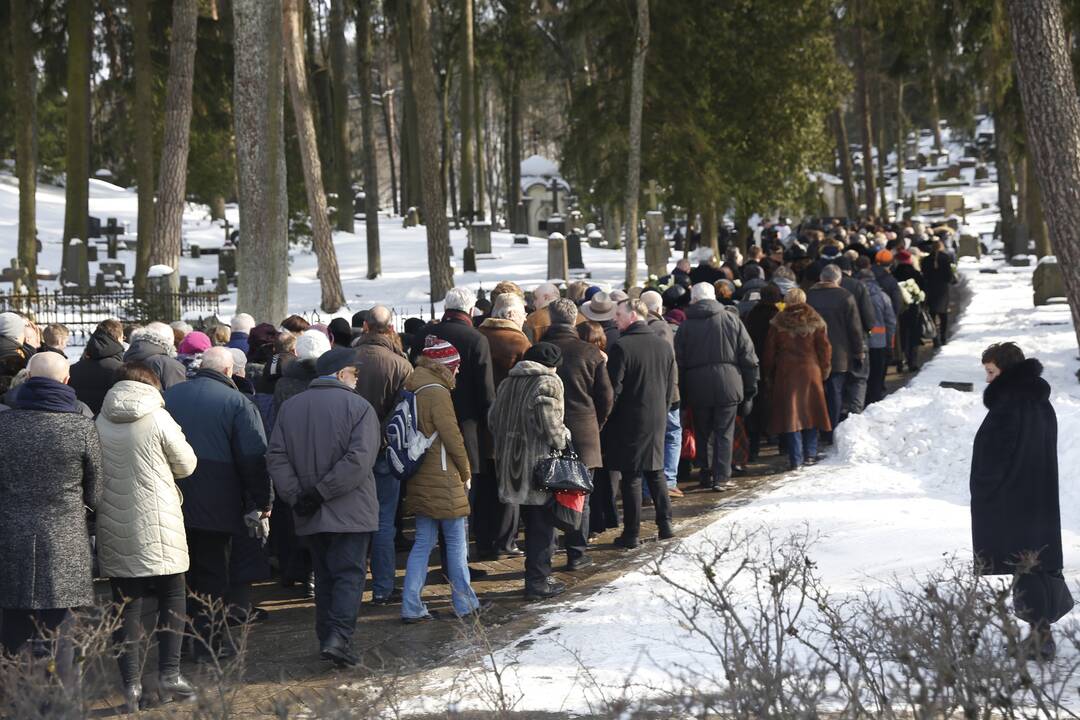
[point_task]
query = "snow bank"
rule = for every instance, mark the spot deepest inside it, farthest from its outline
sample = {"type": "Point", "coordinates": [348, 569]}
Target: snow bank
{"type": "Point", "coordinates": [890, 503]}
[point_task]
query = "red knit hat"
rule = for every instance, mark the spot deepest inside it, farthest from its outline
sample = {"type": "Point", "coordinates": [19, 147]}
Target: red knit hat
{"type": "Point", "coordinates": [903, 257]}
{"type": "Point", "coordinates": [441, 351]}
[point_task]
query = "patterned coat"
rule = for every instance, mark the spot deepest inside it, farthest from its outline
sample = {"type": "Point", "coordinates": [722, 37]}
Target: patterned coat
{"type": "Point", "coordinates": [50, 472]}
{"type": "Point", "coordinates": [527, 422]}
{"type": "Point", "coordinates": [797, 360]}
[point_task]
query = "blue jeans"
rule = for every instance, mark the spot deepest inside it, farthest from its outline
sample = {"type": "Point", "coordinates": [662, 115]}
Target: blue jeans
{"type": "Point", "coordinates": [800, 446]}
{"type": "Point", "coordinates": [457, 566]}
{"type": "Point", "coordinates": [672, 447]}
{"type": "Point", "coordinates": [383, 554]}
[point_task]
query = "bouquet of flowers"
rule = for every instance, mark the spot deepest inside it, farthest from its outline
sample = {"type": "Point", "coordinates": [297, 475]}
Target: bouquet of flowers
{"type": "Point", "coordinates": [911, 293]}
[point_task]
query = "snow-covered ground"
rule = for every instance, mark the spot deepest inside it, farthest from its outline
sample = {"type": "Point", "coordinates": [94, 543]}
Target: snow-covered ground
{"type": "Point", "coordinates": [890, 503]}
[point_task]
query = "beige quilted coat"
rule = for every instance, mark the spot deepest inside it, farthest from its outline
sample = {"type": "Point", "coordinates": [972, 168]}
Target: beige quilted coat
{"type": "Point", "coordinates": [140, 525]}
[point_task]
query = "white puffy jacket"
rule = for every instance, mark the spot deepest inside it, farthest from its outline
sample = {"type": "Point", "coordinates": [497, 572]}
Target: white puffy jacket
{"type": "Point", "coordinates": [140, 525]}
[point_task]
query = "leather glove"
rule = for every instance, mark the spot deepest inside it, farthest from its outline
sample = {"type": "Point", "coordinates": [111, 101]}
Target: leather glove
{"type": "Point", "coordinates": [257, 525]}
{"type": "Point", "coordinates": [308, 503]}
{"type": "Point", "coordinates": [746, 407]}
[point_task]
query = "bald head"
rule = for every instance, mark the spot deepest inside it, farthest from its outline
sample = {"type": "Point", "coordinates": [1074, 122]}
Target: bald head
{"type": "Point", "coordinates": [218, 358]}
{"type": "Point", "coordinates": [379, 321]}
{"type": "Point", "coordinates": [49, 365]}
{"type": "Point", "coordinates": [544, 294]}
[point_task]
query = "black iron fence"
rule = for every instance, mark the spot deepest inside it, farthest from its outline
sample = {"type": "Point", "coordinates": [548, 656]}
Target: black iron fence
{"type": "Point", "coordinates": [82, 312]}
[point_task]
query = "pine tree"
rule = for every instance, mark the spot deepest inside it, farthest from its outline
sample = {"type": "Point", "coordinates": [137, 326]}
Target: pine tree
{"type": "Point", "coordinates": [23, 49]}
{"type": "Point", "coordinates": [367, 128]}
{"type": "Point", "coordinates": [80, 27]}
{"type": "Point", "coordinates": [343, 177]}
{"type": "Point", "coordinates": [633, 170]}
{"type": "Point", "coordinates": [144, 139]}
{"type": "Point", "coordinates": [467, 105]}
{"type": "Point", "coordinates": [259, 115]}
{"type": "Point", "coordinates": [322, 237]}
{"type": "Point", "coordinates": [172, 177]}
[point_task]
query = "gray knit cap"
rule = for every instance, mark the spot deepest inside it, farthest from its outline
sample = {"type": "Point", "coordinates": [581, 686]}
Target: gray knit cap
{"type": "Point", "coordinates": [12, 326]}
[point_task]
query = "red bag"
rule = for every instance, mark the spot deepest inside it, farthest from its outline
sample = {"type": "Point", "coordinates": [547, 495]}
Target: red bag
{"type": "Point", "coordinates": [689, 441]}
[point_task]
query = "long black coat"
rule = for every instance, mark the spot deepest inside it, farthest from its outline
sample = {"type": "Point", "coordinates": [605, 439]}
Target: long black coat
{"type": "Point", "coordinates": [642, 371]}
{"type": "Point", "coordinates": [939, 278]}
{"type": "Point", "coordinates": [1014, 474]}
{"type": "Point", "coordinates": [587, 394]}
{"type": "Point", "coordinates": [475, 388]}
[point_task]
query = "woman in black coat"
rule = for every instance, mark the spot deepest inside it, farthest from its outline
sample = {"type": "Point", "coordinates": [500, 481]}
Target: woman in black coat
{"type": "Point", "coordinates": [1015, 517]}
{"type": "Point", "coordinates": [908, 323]}
{"type": "Point", "coordinates": [938, 277]}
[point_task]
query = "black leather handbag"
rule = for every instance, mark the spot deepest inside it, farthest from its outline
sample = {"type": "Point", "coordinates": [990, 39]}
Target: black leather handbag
{"type": "Point", "coordinates": [562, 470]}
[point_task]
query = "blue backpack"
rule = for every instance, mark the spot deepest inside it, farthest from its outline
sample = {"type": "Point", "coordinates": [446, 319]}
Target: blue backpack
{"type": "Point", "coordinates": [405, 444]}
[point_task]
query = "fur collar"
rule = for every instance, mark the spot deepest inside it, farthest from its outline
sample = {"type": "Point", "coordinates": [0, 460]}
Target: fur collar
{"type": "Point", "coordinates": [1022, 382]}
{"type": "Point", "coordinates": [798, 319]}
{"type": "Point", "coordinates": [501, 324]}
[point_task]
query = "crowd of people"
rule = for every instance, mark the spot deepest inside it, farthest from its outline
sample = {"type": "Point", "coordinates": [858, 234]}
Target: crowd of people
{"type": "Point", "coordinates": [194, 457]}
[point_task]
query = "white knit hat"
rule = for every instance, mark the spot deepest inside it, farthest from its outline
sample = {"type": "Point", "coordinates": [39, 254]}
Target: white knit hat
{"type": "Point", "coordinates": [12, 326]}
{"type": "Point", "coordinates": [311, 344]}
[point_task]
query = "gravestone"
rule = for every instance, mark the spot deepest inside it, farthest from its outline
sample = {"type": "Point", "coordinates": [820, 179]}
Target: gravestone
{"type": "Point", "coordinates": [91, 253]}
{"type": "Point", "coordinates": [93, 227]}
{"type": "Point", "coordinates": [480, 237]}
{"type": "Point", "coordinates": [222, 283]}
{"type": "Point", "coordinates": [112, 269]}
{"type": "Point", "coordinates": [657, 251]}
{"type": "Point", "coordinates": [557, 266]}
{"type": "Point", "coordinates": [183, 283]}
{"type": "Point", "coordinates": [412, 217]}
{"type": "Point", "coordinates": [982, 173]}
{"type": "Point", "coordinates": [76, 276]}
{"type": "Point", "coordinates": [112, 231]}
{"type": "Point", "coordinates": [469, 259]}
{"type": "Point", "coordinates": [99, 282]}
{"type": "Point", "coordinates": [595, 238]}
{"type": "Point", "coordinates": [227, 262]}
{"type": "Point", "coordinates": [573, 251]}
{"type": "Point", "coordinates": [921, 183]}
{"type": "Point", "coordinates": [521, 239]}
{"type": "Point", "coordinates": [952, 172]}
{"type": "Point", "coordinates": [969, 247]}
{"type": "Point", "coordinates": [196, 251]}
{"type": "Point", "coordinates": [556, 224]}
{"type": "Point", "coordinates": [161, 295]}
{"type": "Point", "coordinates": [200, 281]}
{"type": "Point", "coordinates": [1047, 281]}
{"type": "Point", "coordinates": [1020, 261]}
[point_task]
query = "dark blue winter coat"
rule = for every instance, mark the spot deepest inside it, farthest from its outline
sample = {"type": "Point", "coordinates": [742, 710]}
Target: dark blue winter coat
{"type": "Point", "coordinates": [226, 432]}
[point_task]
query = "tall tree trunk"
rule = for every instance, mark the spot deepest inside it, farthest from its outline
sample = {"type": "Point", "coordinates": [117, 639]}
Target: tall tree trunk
{"type": "Point", "coordinates": [1052, 122]}
{"type": "Point", "coordinates": [478, 126]}
{"type": "Point", "coordinates": [847, 173]}
{"type": "Point", "coordinates": [172, 177]}
{"type": "Point", "coordinates": [1005, 185]}
{"type": "Point", "coordinates": [410, 170]}
{"type": "Point", "coordinates": [446, 145]}
{"type": "Point", "coordinates": [391, 135]}
{"type": "Point", "coordinates": [343, 181]}
{"type": "Point", "coordinates": [935, 112]}
{"type": "Point", "coordinates": [901, 142]}
{"type": "Point", "coordinates": [80, 21]}
{"type": "Point", "coordinates": [518, 222]}
{"type": "Point", "coordinates": [332, 297]}
{"type": "Point", "coordinates": [367, 130]}
{"type": "Point", "coordinates": [468, 107]}
{"type": "Point", "coordinates": [259, 116]}
{"type": "Point", "coordinates": [882, 150]}
{"type": "Point", "coordinates": [22, 45]}
{"type": "Point", "coordinates": [144, 139]}
{"type": "Point", "coordinates": [1036, 221]}
{"type": "Point", "coordinates": [710, 229]}
{"type": "Point", "coordinates": [427, 117]}
{"type": "Point", "coordinates": [862, 92]}
{"type": "Point", "coordinates": [633, 163]}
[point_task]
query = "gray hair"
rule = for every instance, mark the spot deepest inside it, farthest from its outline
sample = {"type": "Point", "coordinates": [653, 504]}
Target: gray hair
{"type": "Point", "coordinates": [218, 358]}
{"type": "Point", "coordinates": [544, 293]}
{"type": "Point", "coordinates": [505, 304]}
{"type": "Point", "coordinates": [637, 307]}
{"type": "Point", "coordinates": [653, 301]}
{"type": "Point", "coordinates": [242, 322]}
{"type": "Point", "coordinates": [159, 330]}
{"type": "Point", "coordinates": [831, 273]}
{"type": "Point", "coordinates": [784, 273]}
{"type": "Point", "coordinates": [460, 298]}
{"type": "Point", "coordinates": [239, 361]}
{"type": "Point", "coordinates": [563, 312]}
{"type": "Point", "coordinates": [702, 291]}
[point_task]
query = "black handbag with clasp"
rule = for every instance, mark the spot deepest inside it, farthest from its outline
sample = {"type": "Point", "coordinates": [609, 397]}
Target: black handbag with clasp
{"type": "Point", "coordinates": [562, 470]}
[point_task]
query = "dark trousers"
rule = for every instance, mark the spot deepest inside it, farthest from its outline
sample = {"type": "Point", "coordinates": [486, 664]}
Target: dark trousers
{"type": "Point", "coordinates": [539, 545]}
{"type": "Point", "coordinates": [39, 627]}
{"type": "Point", "coordinates": [1037, 596]}
{"type": "Point", "coordinates": [630, 486]}
{"type": "Point", "coordinates": [577, 541]}
{"type": "Point", "coordinates": [875, 383]}
{"type": "Point", "coordinates": [340, 561]}
{"type": "Point", "coordinates": [130, 593]}
{"type": "Point", "coordinates": [942, 327]}
{"type": "Point", "coordinates": [834, 396]}
{"type": "Point", "coordinates": [603, 514]}
{"type": "Point", "coordinates": [208, 579]}
{"type": "Point", "coordinates": [715, 427]}
{"type": "Point", "coordinates": [495, 523]}
{"type": "Point", "coordinates": [910, 336]}
{"type": "Point", "coordinates": [294, 560]}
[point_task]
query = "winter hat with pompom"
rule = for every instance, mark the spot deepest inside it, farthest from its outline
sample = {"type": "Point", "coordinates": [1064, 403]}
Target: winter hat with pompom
{"type": "Point", "coordinates": [437, 349]}
{"type": "Point", "coordinates": [312, 344]}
